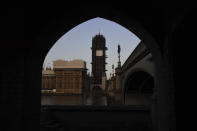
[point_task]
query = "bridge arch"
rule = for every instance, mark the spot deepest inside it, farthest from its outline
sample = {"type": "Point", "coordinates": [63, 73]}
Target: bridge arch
{"type": "Point", "coordinates": [96, 89]}
{"type": "Point", "coordinates": [139, 87]}
{"type": "Point", "coordinates": [133, 71]}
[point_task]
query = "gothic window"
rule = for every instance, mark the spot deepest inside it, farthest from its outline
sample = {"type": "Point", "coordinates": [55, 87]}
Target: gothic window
{"type": "Point", "coordinates": [60, 83]}
{"type": "Point", "coordinates": [77, 82]}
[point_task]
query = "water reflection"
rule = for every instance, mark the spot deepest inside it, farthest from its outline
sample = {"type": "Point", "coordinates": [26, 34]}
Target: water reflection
{"type": "Point", "coordinates": [101, 100]}
{"type": "Point", "coordinates": [74, 100]}
{"type": "Point", "coordinates": [138, 99]}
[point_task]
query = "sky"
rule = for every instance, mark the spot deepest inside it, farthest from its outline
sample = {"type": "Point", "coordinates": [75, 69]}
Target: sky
{"type": "Point", "coordinates": [76, 43]}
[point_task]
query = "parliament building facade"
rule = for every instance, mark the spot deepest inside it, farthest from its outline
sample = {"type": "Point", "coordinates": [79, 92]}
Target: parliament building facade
{"type": "Point", "coordinates": [67, 77]}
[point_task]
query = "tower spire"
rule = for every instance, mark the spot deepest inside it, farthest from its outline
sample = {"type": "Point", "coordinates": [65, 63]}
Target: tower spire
{"type": "Point", "coordinates": [119, 63]}
{"type": "Point", "coordinates": [113, 70]}
{"type": "Point", "coordinates": [99, 31]}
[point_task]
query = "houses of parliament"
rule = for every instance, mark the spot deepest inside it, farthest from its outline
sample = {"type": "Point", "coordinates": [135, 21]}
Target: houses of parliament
{"type": "Point", "coordinates": [67, 77]}
{"type": "Point", "coordinates": [71, 77]}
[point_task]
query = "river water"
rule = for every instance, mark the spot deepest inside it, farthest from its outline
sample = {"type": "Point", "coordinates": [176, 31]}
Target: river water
{"type": "Point", "coordinates": [134, 99]}
{"type": "Point", "coordinates": [74, 100]}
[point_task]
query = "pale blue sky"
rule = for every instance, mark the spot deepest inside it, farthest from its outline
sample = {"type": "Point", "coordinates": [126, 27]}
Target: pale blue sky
{"type": "Point", "coordinates": [76, 43]}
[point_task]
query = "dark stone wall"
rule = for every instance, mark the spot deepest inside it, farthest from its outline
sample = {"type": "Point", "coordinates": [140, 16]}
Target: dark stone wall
{"type": "Point", "coordinates": [28, 33]}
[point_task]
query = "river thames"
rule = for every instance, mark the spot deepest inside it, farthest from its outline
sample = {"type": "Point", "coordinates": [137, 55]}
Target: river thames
{"type": "Point", "coordinates": [74, 100]}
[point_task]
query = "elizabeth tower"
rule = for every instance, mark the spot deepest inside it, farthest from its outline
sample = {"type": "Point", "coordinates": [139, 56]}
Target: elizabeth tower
{"type": "Point", "coordinates": [98, 58]}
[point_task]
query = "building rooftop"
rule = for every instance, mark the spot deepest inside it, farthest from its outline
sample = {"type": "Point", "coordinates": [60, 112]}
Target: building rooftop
{"type": "Point", "coordinates": [98, 36]}
{"type": "Point", "coordinates": [69, 64]}
{"type": "Point", "coordinates": [48, 72]}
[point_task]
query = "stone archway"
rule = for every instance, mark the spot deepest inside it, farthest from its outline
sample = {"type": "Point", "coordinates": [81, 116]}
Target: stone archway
{"type": "Point", "coordinates": [163, 81]}
{"type": "Point", "coordinates": [96, 90]}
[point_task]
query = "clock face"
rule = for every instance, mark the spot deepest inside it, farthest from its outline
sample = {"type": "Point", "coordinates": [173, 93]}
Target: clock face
{"type": "Point", "coordinates": [99, 52]}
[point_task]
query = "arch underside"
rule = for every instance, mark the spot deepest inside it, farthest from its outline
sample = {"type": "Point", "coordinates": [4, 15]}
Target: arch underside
{"type": "Point", "coordinates": [139, 89]}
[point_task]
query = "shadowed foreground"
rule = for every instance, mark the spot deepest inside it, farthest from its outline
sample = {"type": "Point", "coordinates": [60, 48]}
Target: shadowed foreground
{"type": "Point", "coordinates": [91, 118]}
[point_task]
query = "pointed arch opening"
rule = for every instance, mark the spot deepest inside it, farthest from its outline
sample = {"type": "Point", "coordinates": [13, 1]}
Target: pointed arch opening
{"type": "Point", "coordinates": [89, 56]}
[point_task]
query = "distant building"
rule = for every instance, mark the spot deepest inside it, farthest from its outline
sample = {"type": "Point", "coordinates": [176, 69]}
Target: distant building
{"type": "Point", "coordinates": [48, 80]}
{"type": "Point", "coordinates": [71, 76]}
{"type": "Point", "coordinates": [111, 84]}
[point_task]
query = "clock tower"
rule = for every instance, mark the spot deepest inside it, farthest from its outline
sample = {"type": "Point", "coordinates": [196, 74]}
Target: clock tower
{"type": "Point", "coordinates": [98, 58]}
